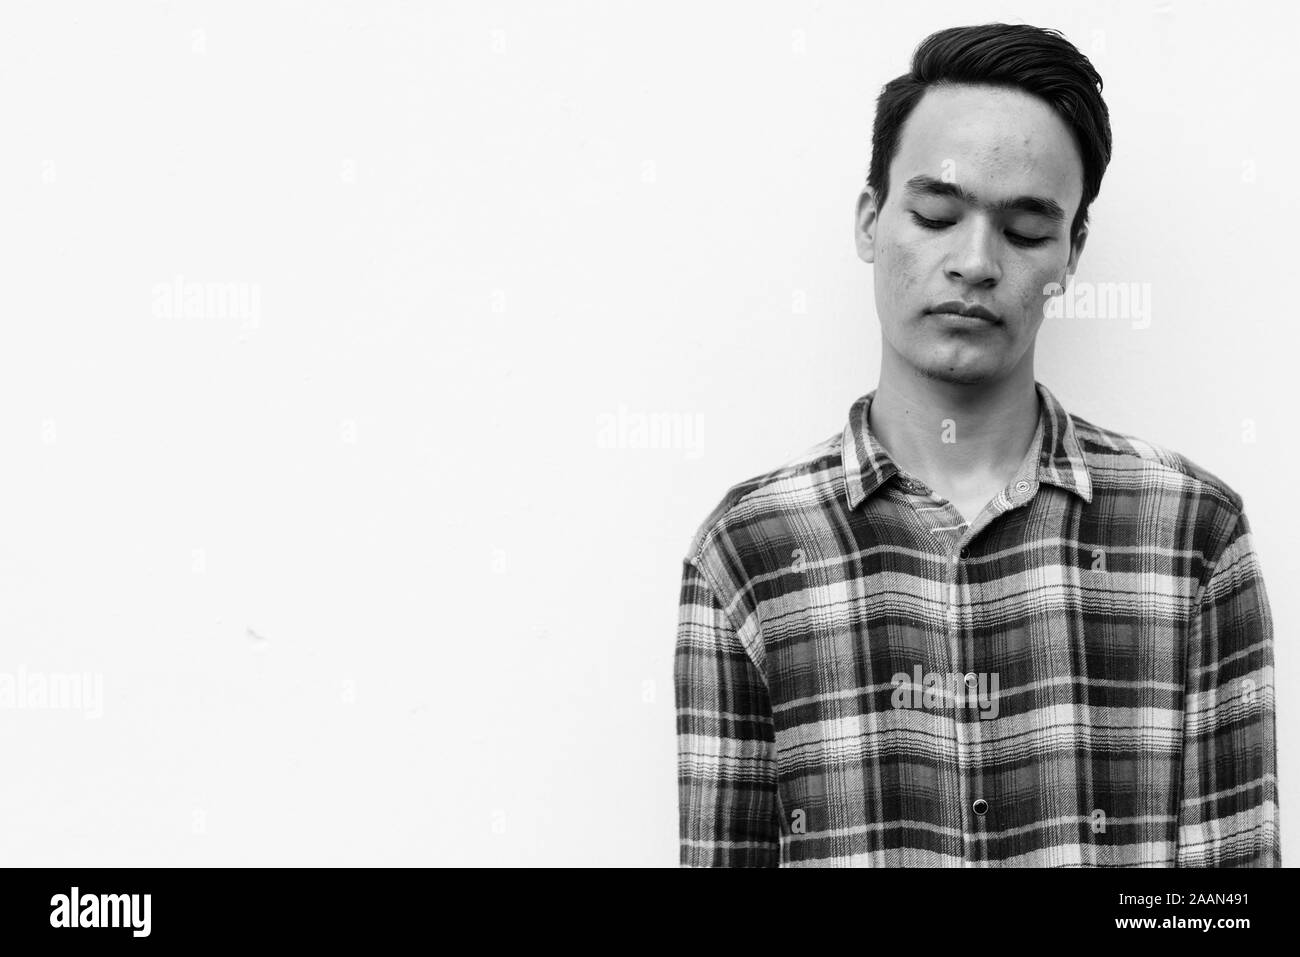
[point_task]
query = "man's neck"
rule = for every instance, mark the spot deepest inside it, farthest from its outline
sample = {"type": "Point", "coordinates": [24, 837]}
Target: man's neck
{"type": "Point", "coordinates": [959, 439]}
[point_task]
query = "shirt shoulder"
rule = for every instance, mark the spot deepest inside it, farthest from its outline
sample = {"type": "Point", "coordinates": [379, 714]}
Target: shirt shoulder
{"type": "Point", "coordinates": [802, 482]}
{"type": "Point", "coordinates": [1118, 461]}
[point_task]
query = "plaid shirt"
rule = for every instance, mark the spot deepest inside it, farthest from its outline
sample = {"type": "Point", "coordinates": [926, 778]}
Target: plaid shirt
{"type": "Point", "coordinates": [1083, 676]}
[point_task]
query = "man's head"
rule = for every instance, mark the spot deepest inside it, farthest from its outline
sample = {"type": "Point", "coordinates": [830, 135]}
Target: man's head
{"type": "Point", "coordinates": [985, 159]}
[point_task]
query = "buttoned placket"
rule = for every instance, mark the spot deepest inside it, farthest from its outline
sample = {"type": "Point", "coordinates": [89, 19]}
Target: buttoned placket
{"type": "Point", "coordinates": [975, 807]}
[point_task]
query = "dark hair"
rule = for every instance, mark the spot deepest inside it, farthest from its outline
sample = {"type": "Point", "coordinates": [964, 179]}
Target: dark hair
{"type": "Point", "coordinates": [1034, 59]}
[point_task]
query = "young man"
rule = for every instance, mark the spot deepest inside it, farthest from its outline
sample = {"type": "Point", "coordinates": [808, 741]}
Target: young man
{"type": "Point", "coordinates": [973, 630]}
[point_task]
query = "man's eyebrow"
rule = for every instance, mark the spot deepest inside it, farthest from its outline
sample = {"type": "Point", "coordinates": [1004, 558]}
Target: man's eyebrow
{"type": "Point", "coordinates": [1038, 205]}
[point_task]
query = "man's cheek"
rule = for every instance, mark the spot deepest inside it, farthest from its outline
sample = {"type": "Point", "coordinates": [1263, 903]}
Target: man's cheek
{"type": "Point", "coordinates": [1038, 294]}
{"type": "Point", "coordinates": [900, 264]}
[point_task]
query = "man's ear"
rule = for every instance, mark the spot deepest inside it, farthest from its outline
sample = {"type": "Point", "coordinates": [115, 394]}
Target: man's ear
{"type": "Point", "coordinates": [1076, 250]}
{"type": "Point", "coordinates": [864, 225]}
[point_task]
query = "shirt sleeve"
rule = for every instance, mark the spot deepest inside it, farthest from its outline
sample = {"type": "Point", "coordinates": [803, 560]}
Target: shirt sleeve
{"type": "Point", "coordinates": [726, 747]}
{"type": "Point", "coordinates": [1228, 815]}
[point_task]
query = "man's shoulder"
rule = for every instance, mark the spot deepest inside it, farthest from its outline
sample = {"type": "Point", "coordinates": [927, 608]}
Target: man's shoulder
{"type": "Point", "coordinates": [802, 482]}
{"type": "Point", "coordinates": [1126, 463]}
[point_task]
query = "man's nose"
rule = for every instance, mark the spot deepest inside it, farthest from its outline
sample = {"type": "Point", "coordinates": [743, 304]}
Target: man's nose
{"type": "Point", "coordinates": [974, 256]}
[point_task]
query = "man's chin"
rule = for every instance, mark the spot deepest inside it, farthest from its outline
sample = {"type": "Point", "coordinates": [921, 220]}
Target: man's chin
{"type": "Point", "coordinates": [955, 373]}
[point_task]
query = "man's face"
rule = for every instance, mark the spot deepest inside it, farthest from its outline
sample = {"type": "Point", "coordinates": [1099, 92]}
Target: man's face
{"type": "Point", "coordinates": [982, 191]}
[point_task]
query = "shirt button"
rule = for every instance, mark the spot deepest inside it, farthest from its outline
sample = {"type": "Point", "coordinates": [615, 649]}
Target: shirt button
{"type": "Point", "coordinates": [972, 680]}
{"type": "Point", "coordinates": [964, 552]}
{"type": "Point", "coordinates": [980, 806]}
{"type": "Point", "coordinates": [1022, 486]}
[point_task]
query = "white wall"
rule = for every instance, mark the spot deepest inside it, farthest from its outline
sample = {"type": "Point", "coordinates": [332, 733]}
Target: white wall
{"type": "Point", "coordinates": [357, 574]}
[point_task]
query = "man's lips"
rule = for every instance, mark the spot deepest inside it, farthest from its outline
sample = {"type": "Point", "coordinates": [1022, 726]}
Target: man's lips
{"type": "Point", "coordinates": [956, 307]}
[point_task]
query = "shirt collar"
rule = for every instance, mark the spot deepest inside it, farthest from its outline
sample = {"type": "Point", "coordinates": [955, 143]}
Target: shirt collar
{"type": "Point", "coordinates": [867, 466]}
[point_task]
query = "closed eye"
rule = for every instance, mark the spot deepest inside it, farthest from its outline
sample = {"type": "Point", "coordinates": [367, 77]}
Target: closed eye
{"type": "Point", "coordinates": [1027, 240]}
{"type": "Point", "coordinates": [929, 223]}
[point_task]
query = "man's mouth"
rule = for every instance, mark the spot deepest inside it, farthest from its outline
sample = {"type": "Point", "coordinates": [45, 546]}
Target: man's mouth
{"type": "Point", "coordinates": [956, 308]}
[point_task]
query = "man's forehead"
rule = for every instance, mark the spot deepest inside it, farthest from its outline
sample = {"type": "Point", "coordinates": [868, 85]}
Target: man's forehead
{"type": "Point", "coordinates": [991, 131]}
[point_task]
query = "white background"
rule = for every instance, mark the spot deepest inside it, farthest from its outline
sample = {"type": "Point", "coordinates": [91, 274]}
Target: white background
{"type": "Point", "coordinates": [370, 578]}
